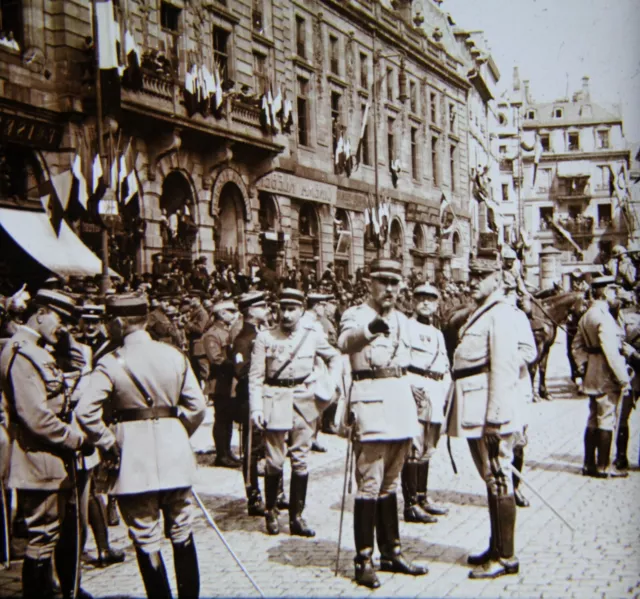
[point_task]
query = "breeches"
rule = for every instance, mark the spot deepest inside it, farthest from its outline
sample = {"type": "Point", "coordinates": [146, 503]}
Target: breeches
{"type": "Point", "coordinates": [602, 410]}
{"type": "Point", "coordinates": [378, 465]}
{"type": "Point", "coordinates": [426, 441]}
{"type": "Point", "coordinates": [141, 512]}
{"type": "Point", "coordinates": [494, 463]}
{"type": "Point", "coordinates": [275, 446]}
{"type": "Point", "coordinates": [43, 513]}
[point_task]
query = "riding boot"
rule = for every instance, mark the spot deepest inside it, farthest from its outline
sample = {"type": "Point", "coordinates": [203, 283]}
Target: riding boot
{"type": "Point", "coordinates": [36, 578]}
{"type": "Point", "coordinates": [5, 525]}
{"type": "Point", "coordinates": [364, 521]}
{"type": "Point", "coordinates": [98, 522]}
{"type": "Point", "coordinates": [282, 503]}
{"type": "Point", "coordinates": [435, 509]}
{"type": "Point", "coordinates": [298, 495]}
{"type": "Point", "coordinates": [413, 511]}
{"type": "Point", "coordinates": [388, 534]}
{"type": "Point", "coordinates": [112, 512]}
{"type": "Point", "coordinates": [504, 562]}
{"type": "Point", "coordinates": [255, 505]}
{"type": "Point", "coordinates": [65, 553]}
{"type": "Point", "coordinates": [622, 443]}
{"type": "Point", "coordinates": [185, 560]}
{"type": "Point", "coordinates": [154, 574]}
{"type": "Point", "coordinates": [480, 559]}
{"type": "Point", "coordinates": [605, 439]}
{"type": "Point", "coordinates": [518, 463]}
{"type": "Point", "coordinates": [271, 484]}
{"type": "Point", "coordinates": [590, 444]}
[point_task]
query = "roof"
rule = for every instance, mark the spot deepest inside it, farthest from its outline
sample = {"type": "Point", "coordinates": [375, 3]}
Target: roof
{"type": "Point", "coordinates": [573, 113]}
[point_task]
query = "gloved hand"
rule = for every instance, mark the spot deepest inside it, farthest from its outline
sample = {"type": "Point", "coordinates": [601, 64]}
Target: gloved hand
{"type": "Point", "coordinates": [378, 326]}
{"type": "Point", "coordinates": [257, 419]}
{"type": "Point", "coordinates": [111, 457]}
{"type": "Point", "coordinates": [86, 448]}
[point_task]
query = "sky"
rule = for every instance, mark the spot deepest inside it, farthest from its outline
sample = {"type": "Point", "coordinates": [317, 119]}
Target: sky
{"type": "Point", "coordinates": [552, 41]}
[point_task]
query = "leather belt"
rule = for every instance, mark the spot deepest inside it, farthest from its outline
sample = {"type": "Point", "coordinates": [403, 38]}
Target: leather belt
{"type": "Point", "coordinates": [594, 350]}
{"type": "Point", "coordinates": [145, 414]}
{"type": "Point", "coordinates": [379, 373]}
{"type": "Point", "coordinates": [430, 374]}
{"type": "Point", "coordinates": [463, 373]}
{"type": "Point", "coordinates": [285, 382]}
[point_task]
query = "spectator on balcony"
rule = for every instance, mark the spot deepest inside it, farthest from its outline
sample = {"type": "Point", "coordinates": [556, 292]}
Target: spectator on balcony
{"type": "Point", "coordinates": [621, 267]}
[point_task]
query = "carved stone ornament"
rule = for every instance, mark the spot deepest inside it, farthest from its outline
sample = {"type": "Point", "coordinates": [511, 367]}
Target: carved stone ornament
{"type": "Point", "coordinates": [318, 50]}
{"type": "Point", "coordinates": [34, 60]}
{"type": "Point", "coordinates": [161, 147]}
{"type": "Point", "coordinates": [350, 66]}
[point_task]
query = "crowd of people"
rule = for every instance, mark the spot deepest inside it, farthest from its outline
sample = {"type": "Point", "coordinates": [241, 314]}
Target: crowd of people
{"type": "Point", "coordinates": [102, 392]}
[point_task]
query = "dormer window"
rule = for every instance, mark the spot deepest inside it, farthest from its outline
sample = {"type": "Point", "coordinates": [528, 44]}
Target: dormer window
{"type": "Point", "coordinates": [531, 115]}
{"type": "Point", "coordinates": [557, 113]}
{"type": "Point", "coordinates": [603, 139]}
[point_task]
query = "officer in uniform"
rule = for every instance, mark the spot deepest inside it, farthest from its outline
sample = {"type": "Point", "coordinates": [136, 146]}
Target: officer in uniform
{"type": "Point", "coordinates": [253, 306]}
{"type": "Point", "coordinates": [91, 331]}
{"type": "Point", "coordinates": [157, 405]}
{"type": "Point", "coordinates": [282, 401]}
{"type": "Point", "coordinates": [431, 382]}
{"type": "Point", "coordinates": [161, 327]}
{"type": "Point", "coordinates": [511, 264]}
{"type": "Point", "coordinates": [194, 328]}
{"type": "Point", "coordinates": [44, 443]}
{"type": "Point", "coordinates": [376, 337]}
{"type": "Point", "coordinates": [597, 350]}
{"type": "Point", "coordinates": [485, 409]}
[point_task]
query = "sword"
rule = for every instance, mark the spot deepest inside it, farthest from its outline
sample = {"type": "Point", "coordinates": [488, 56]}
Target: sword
{"type": "Point", "coordinates": [540, 496]}
{"type": "Point", "coordinates": [6, 562]}
{"type": "Point", "coordinates": [347, 468]}
{"type": "Point", "coordinates": [78, 548]}
{"type": "Point", "coordinates": [213, 525]}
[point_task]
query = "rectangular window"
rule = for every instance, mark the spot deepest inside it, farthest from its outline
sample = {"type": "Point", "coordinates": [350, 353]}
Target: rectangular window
{"type": "Point", "coordinates": [169, 16]}
{"type": "Point", "coordinates": [604, 215]}
{"type": "Point", "coordinates": [574, 211]}
{"type": "Point", "coordinates": [334, 53]}
{"type": "Point", "coordinates": [604, 176]}
{"type": "Point", "coordinates": [433, 107]}
{"type": "Point", "coordinates": [452, 166]}
{"type": "Point", "coordinates": [414, 152]}
{"type": "Point", "coordinates": [364, 71]}
{"type": "Point", "coordinates": [502, 150]}
{"type": "Point", "coordinates": [531, 115]}
{"type": "Point", "coordinates": [336, 117]}
{"type": "Point", "coordinates": [391, 142]}
{"type": "Point", "coordinates": [557, 113]}
{"type": "Point", "coordinates": [546, 216]}
{"type": "Point", "coordinates": [603, 140]}
{"type": "Point", "coordinates": [261, 77]}
{"type": "Point", "coordinates": [390, 84]}
{"type": "Point", "coordinates": [11, 23]}
{"type": "Point", "coordinates": [505, 192]}
{"type": "Point", "coordinates": [452, 118]}
{"type": "Point", "coordinates": [366, 152]}
{"type": "Point", "coordinates": [434, 160]}
{"type": "Point", "coordinates": [301, 37]}
{"type": "Point", "coordinates": [573, 142]}
{"type": "Point", "coordinates": [545, 142]}
{"type": "Point", "coordinates": [221, 51]}
{"type": "Point", "coordinates": [257, 16]}
{"type": "Point", "coordinates": [413, 97]}
{"type": "Point", "coordinates": [303, 112]}
{"type": "Point", "coordinates": [543, 179]}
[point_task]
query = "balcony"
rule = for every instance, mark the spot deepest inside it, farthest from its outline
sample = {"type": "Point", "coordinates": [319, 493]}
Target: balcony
{"type": "Point", "coordinates": [581, 229]}
{"type": "Point", "coordinates": [246, 113]}
{"type": "Point", "coordinates": [506, 165]}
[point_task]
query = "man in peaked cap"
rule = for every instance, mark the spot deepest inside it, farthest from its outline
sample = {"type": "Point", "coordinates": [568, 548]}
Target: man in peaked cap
{"type": "Point", "coordinates": [376, 337]}
{"type": "Point", "coordinates": [485, 410]}
{"type": "Point", "coordinates": [157, 404]}
{"type": "Point", "coordinates": [281, 401]}
{"type": "Point", "coordinates": [597, 349]}
{"type": "Point", "coordinates": [44, 442]}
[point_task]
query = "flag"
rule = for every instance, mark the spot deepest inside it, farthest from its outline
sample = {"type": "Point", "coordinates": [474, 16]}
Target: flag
{"type": "Point", "coordinates": [363, 126]}
{"type": "Point", "coordinates": [113, 180]}
{"type": "Point", "coordinates": [276, 107]}
{"type": "Point", "coordinates": [132, 76]}
{"type": "Point", "coordinates": [558, 227]}
{"type": "Point", "coordinates": [217, 91]}
{"type": "Point", "coordinates": [62, 183]}
{"type": "Point", "coordinates": [53, 208]}
{"type": "Point", "coordinates": [265, 112]}
{"type": "Point", "coordinates": [339, 154]}
{"type": "Point", "coordinates": [444, 206]}
{"type": "Point", "coordinates": [536, 157]}
{"type": "Point", "coordinates": [97, 175]}
{"type": "Point", "coordinates": [491, 218]}
{"type": "Point", "coordinates": [347, 157]}
{"type": "Point", "coordinates": [190, 90]}
{"type": "Point", "coordinates": [132, 189]}
{"type": "Point", "coordinates": [395, 171]}
{"type": "Point", "coordinates": [76, 169]}
{"type": "Point", "coordinates": [106, 36]}
{"type": "Point", "coordinates": [287, 115]}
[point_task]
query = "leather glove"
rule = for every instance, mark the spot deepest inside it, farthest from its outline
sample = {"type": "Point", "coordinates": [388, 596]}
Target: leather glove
{"type": "Point", "coordinates": [86, 448]}
{"type": "Point", "coordinates": [378, 326]}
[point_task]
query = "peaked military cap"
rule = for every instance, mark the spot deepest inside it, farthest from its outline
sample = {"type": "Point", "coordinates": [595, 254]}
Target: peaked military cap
{"type": "Point", "coordinates": [315, 298]}
{"type": "Point", "coordinates": [483, 266]}
{"type": "Point", "coordinates": [57, 301]}
{"type": "Point", "coordinates": [291, 296]}
{"type": "Point", "coordinates": [252, 298]}
{"type": "Point", "coordinates": [127, 304]}
{"type": "Point", "coordinates": [92, 312]}
{"type": "Point", "coordinates": [225, 304]}
{"type": "Point", "coordinates": [383, 268]}
{"type": "Point", "coordinates": [426, 289]}
{"type": "Point", "coordinates": [603, 281]}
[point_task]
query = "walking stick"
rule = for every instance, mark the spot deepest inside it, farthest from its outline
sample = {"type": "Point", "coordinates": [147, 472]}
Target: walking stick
{"type": "Point", "coordinates": [616, 428]}
{"type": "Point", "coordinates": [248, 450]}
{"type": "Point", "coordinates": [6, 546]}
{"type": "Point", "coordinates": [78, 548]}
{"type": "Point", "coordinates": [213, 525]}
{"type": "Point", "coordinates": [347, 464]}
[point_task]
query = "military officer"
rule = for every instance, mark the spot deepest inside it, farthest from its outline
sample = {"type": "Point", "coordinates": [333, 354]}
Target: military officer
{"type": "Point", "coordinates": [91, 330]}
{"type": "Point", "coordinates": [194, 328]}
{"type": "Point", "coordinates": [597, 349]}
{"type": "Point", "coordinates": [281, 401]}
{"type": "Point", "coordinates": [161, 327]}
{"type": "Point", "coordinates": [512, 265]}
{"type": "Point", "coordinates": [431, 381]}
{"type": "Point", "coordinates": [43, 442]}
{"type": "Point", "coordinates": [485, 409]}
{"type": "Point", "coordinates": [157, 405]}
{"type": "Point", "coordinates": [376, 337]}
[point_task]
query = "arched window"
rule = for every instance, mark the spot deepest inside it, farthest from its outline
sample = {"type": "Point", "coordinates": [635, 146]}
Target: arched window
{"type": "Point", "coordinates": [268, 213]}
{"type": "Point", "coordinates": [395, 240]}
{"type": "Point", "coordinates": [418, 237]}
{"type": "Point", "coordinates": [227, 235]}
{"type": "Point", "coordinates": [455, 243]}
{"type": "Point", "coordinates": [308, 221]}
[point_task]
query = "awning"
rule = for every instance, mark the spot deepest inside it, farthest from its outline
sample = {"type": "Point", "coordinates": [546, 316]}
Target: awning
{"type": "Point", "coordinates": [64, 255]}
{"type": "Point", "coordinates": [575, 168]}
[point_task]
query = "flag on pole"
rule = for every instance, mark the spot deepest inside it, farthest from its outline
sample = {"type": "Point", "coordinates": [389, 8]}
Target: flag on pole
{"type": "Point", "coordinates": [62, 183]}
{"type": "Point", "coordinates": [53, 208]}
{"type": "Point", "coordinates": [106, 36]}
{"type": "Point", "coordinates": [265, 110]}
{"type": "Point", "coordinates": [363, 126]}
{"type": "Point", "coordinates": [445, 205]}
{"type": "Point", "coordinates": [132, 75]}
{"type": "Point", "coordinates": [276, 107]}
{"type": "Point", "coordinates": [216, 100]}
{"type": "Point", "coordinates": [538, 149]}
{"type": "Point", "coordinates": [97, 175]}
{"type": "Point", "coordinates": [76, 169]}
{"type": "Point", "coordinates": [287, 115]}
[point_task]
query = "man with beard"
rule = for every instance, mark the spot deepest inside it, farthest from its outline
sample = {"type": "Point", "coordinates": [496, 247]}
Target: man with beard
{"type": "Point", "coordinates": [44, 443]}
{"type": "Point", "coordinates": [376, 337]}
{"type": "Point", "coordinates": [597, 349]}
{"type": "Point", "coordinates": [485, 409]}
{"type": "Point", "coordinates": [282, 403]}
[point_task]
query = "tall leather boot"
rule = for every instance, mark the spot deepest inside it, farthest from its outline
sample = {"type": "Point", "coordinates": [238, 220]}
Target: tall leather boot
{"type": "Point", "coordinates": [364, 521]}
{"type": "Point", "coordinates": [36, 578]}
{"type": "Point", "coordinates": [112, 512]}
{"type": "Point", "coordinates": [154, 574]}
{"type": "Point", "coordinates": [388, 534]}
{"type": "Point", "coordinates": [589, 467]}
{"type": "Point", "coordinates": [297, 499]}
{"type": "Point", "coordinates": [65, 555]}
{"type": "Point", "coordinates": [185, 560]}
{"type": "Point", "coordinates": [255, 505]}
{"type": "Point", "coordinates": [413, 511]}
{"type": "Point", "coordinates": [98, 521]}
{"type": "Point", "coordinates": [479, 559]}
{"type": "Point", "coordinates": [435, 509]}
{"type": "Point", "coordinates": [622, 444]}
{"type": "Point", "coordinates": [282, 503]}
{"type": "Point", "coordinates": [605, 439]}
{"type": "Point", "coordinates": [271, 485]}
{"type": "Point", "coordinates": [505, 562]}
{"type": "Point", "coordinates": [518, 462]}
{"type": "Point", "coordinates": [5, 534]}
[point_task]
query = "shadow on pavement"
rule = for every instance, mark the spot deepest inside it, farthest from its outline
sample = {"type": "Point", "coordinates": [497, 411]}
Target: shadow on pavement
{"type": "Point", "coordinates": [566, 457]}
{"type": "Point", "coordinates": [415, 548]}
{"type": "Point", "coordinates": [553, 467]}
{"type": "Point", "coordinates": [229, 513]}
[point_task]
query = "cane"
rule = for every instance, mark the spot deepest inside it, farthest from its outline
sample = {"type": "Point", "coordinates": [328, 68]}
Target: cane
{"type": "Point", "coordinates": [616, 429]}
{"type": "Point", "coordinates": [347, 464]}
{"type": "Point", "coordinates": [6, 545]}
{"type": "Point", "coordinates": [248, 450]}
{"type": "Point", "coordinates": [78, 552]}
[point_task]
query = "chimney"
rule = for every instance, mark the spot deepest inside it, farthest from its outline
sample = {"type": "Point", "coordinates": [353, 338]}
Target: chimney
{"type": "Point", "coordinates": [404, 9]}
{"type": "Point", "coordinates": [527, 96]}
{"type": "Point", "coordinates": [586, 96]}
{"type": "Point", "coordinates": [516, 79]}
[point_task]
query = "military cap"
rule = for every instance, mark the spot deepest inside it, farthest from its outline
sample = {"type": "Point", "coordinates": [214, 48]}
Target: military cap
{"type": "Point", "coordinates": [603, 281]}
{"type": "Point", "coordinates": [483, 266]}
{"type": "Point", "coordinates": [252, 298]}
{"type": "Point", "coordinates": [426, 289]}
{"type": "Point", "coordinates": [577, 273]}
{"type": "Point", "coordinates": [127, 304]}
{"type": "Point", "coordinates": [618, 250]}
{"type": "Point", "coordinates": [92, 312]}
{"type": "Point", "coordinates": [291, 296]}
{"type": "Point", "coordinates": [634, 247]}
{"type": "Point", "coordinates": [171, 311]}
{"type": "Point", "coordinates": [225, 304]}
{"type": "Point", "coordinates": [383, 268]}
{"type": "Point", "coordinates": [57, 301]}
{"type": "Point", "coordinates": [315, 298]}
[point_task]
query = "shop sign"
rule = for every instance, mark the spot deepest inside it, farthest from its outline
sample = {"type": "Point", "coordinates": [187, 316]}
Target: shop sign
{"type": "Point", "coordinates": [351, 200]}
{"type": "Point", "coordinates": [298, 187]}
{"type": "Point", "coordinates": [24, 130]}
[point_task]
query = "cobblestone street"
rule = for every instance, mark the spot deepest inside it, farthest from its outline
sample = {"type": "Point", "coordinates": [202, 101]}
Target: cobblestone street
{"type": "Point", "coordinates": [601, 558]}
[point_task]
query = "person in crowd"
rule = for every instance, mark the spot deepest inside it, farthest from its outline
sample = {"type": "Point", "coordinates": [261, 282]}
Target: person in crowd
{"type": "Point", "coordinates": [376, 337]}
{"type": "Point", "coordinates": [148, 383]}
{"type": "Point", "coordinates": [196, 322]}
{"type": "Point", "coordinates": [160, 326]}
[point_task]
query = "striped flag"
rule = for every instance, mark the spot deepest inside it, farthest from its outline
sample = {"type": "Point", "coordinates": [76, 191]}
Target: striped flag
{"type": "Point", "coordinates": [106, 36]}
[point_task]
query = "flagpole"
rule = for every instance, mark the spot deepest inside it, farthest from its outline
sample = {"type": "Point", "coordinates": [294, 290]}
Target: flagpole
{"type": "Point", "coordinates": [105, 281]}
{"type": "Point", "coordinates": [376, 60]}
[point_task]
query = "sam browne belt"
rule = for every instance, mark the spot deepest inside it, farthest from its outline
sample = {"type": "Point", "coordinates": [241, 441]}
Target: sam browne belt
{"type": "Point", "coordinates": [436, 376]}
{"type": "Point", "coordinates": [379, 373]}
{"type": "Point", "coordinates": [463, 373]}
{"type": "Point", "coordinates": [134, 414]}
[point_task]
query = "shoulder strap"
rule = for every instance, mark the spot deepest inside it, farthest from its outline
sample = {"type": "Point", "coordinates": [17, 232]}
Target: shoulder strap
{"type": "Point", "coordinates": [397, 343]}
{"type": "Point", "coordinates": [293, 354]}
{"type": "Point", "coordinates": [134, 379]}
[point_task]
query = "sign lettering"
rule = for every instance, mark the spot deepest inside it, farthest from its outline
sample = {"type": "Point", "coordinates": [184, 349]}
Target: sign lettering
{"type": "Point", "coordinates": [298, 187]}
{"type": "Point", "coordinates": [24, 130]}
